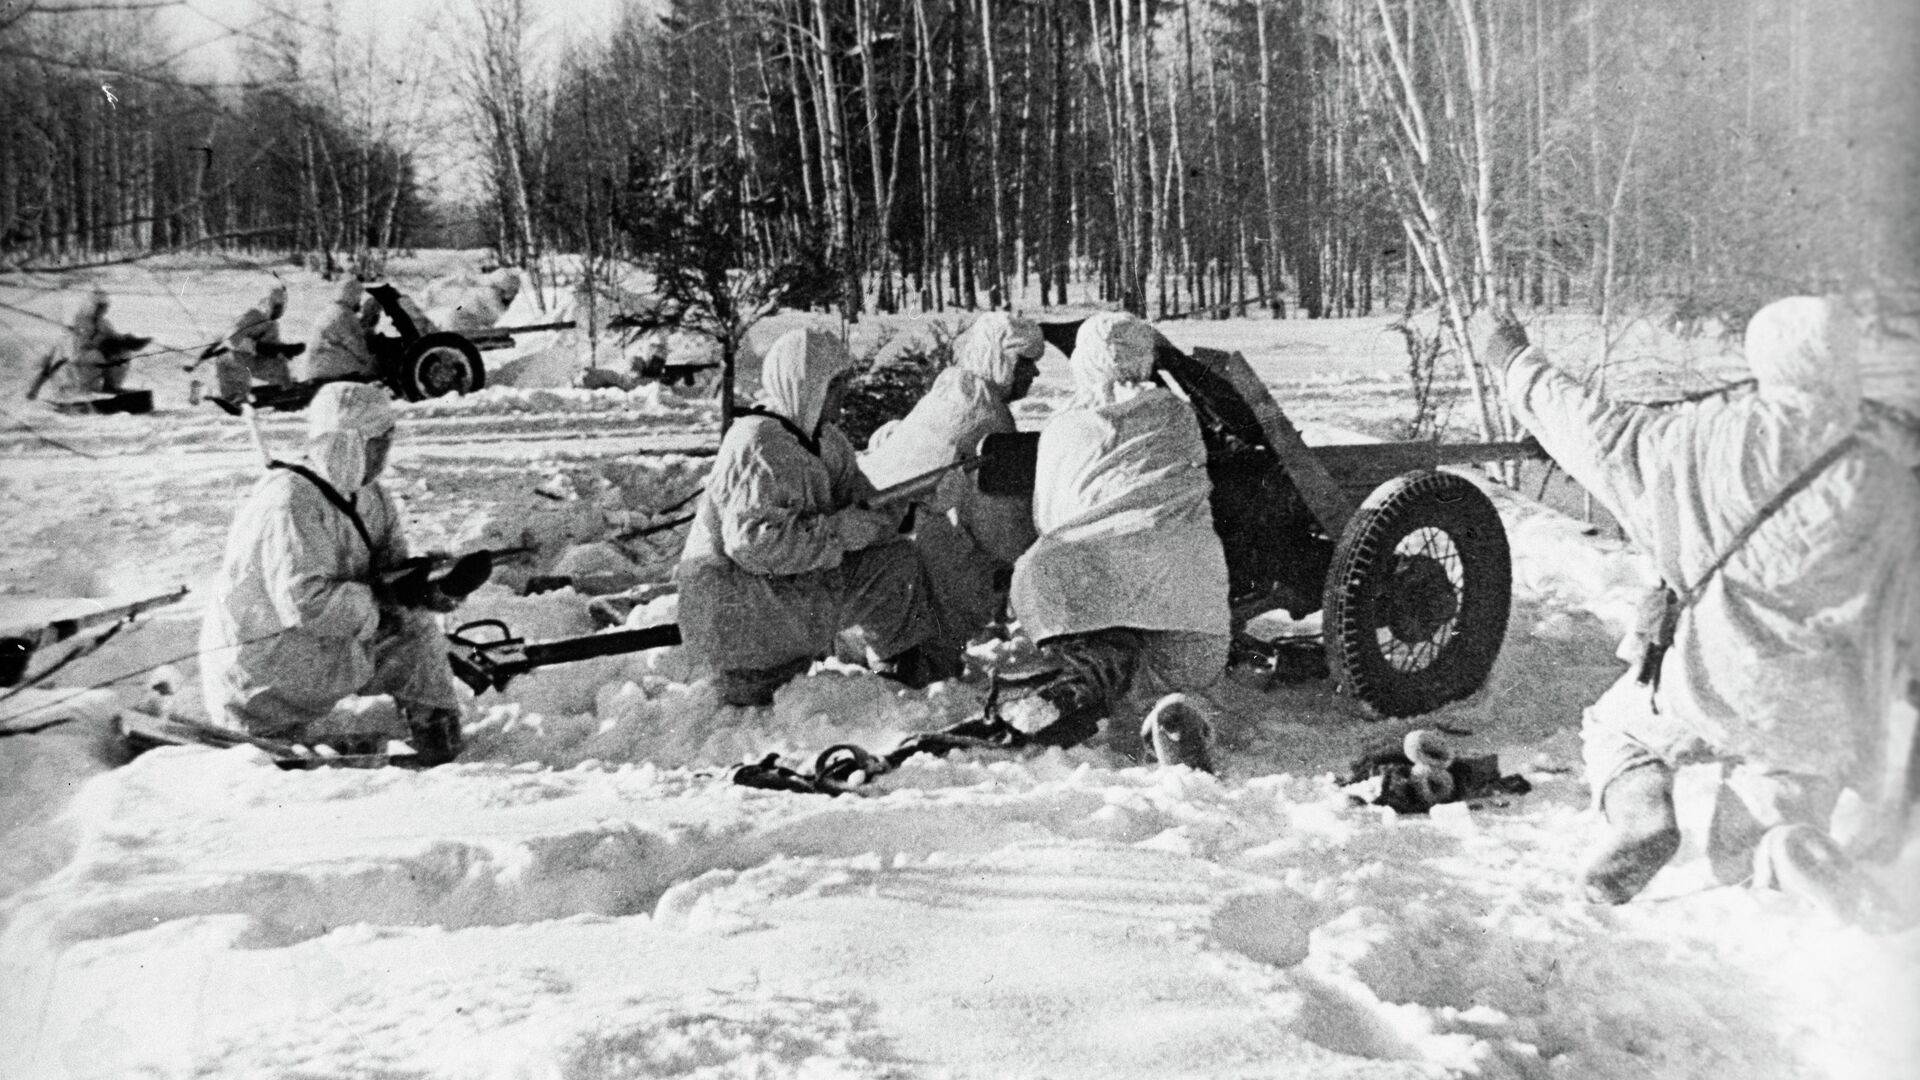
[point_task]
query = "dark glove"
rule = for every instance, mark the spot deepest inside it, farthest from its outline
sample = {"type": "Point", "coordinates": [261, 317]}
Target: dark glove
{"type": "Point", "coordinates": [468, 572]}
{"type": "Point", "coordinates": [1504, 341]}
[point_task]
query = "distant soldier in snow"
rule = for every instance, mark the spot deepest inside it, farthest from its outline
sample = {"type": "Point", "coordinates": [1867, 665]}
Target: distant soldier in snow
{"type": "Point", "coordinates": [95, 362]}
{"type": "Point", "coordinates": [1792, 657]}
{"type": "Point", "coordinates": [469, 304]}
{"type": "Point", "coordinates": [339, 340]}
{"type": "Point", "coordinates": [782, 556]}
{"type": "Point", "coordinates": [298, 618]}
{"type": "Point", "coordinates": [968, 540]}
{"type": "Point", "coordinates": [254, 350]}
{"type": "Point", "coordinates": [1127, 572]}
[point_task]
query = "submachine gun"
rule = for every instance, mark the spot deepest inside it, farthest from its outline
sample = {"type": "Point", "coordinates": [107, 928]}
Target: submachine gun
{"type": "Point", "coordinates": [412, 582]}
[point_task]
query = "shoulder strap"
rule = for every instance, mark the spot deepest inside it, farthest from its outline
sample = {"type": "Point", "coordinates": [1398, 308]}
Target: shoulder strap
{"type": "Point", "coordinates": [340, 502]}
{"type": "Point", "coordinates": [812, 444]}
{"type": "Point", "coordinates": [1820, 464]}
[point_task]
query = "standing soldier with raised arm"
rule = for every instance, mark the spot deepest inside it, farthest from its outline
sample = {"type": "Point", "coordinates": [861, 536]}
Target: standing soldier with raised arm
{"type": "Point", "coordinates": [1785, 533]}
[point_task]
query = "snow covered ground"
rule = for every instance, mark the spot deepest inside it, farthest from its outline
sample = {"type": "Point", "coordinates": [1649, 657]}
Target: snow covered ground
{"type": "Point", "coordinates": [586, 896]}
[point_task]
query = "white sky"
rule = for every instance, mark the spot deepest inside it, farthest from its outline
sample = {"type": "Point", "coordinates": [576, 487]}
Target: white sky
{"type": "Point", "coordinates": [420, 38]}
{"type": "Point", "coordinates": [205, 28]}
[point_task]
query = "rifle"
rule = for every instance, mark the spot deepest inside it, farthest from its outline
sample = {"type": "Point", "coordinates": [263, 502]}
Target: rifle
{"type": "Point", "coordinates": [117, 350]}
{"type": "Point", "coordinates": [273, 350]}
{"type": "Point", "coordinates": [17, 649]}
{"type": "Point", "coordinates": [50, 365]}
{"type": "Point", "coordinates": [491, 663]}
{"type": "Point", "coordinates": [989, 459]}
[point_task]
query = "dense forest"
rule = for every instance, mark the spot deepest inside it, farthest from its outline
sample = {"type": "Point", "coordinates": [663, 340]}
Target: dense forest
{"type": "Point", "coordinates": [1317, 157]}
{"type": "Point", "coordinates": [110, 151]}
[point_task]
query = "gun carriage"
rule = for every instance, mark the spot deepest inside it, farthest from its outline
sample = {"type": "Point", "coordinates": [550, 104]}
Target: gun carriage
{"type": "Point", "coordinates": [1407, 564]}
{"type": "Point", "coordinates": [414, 362]}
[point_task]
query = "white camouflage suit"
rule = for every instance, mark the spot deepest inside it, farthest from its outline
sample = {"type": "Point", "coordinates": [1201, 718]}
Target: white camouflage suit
{"type": "Point", "coordinates": [781, 557]}
{"type": "Point", "coordinates": [248, 357]}
{"type": "Point", "coordinates": [292, 625]}
{"type": "Point", "coordinates": [470, 303]}
{"type": "Point", "coordinates": [1801, 649]}
{"type": "Point", "coordinates": [338, 344]}
{"type": "Point", "coordinates": [89, 370]}
{"type": "Point", "coordinates": [1126, 538]}
{"type": "Point", "coordinates": [966, 538]}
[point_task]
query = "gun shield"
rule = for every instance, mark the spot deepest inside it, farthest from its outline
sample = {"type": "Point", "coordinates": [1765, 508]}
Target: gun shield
{"type": "Point", "coordinates": [1008, 462]}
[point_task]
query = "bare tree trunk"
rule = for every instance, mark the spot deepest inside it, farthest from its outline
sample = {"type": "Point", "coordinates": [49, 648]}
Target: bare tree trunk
{"type": "Point", "coordinates": [1177, 177]}
{"type": "Point", "coordinates": [882, 195]}
{"type": "Point", "coordinates": [1024, 180]}
{"type": "Point", "coordinates": [997, 277]}
{"type": "Point", "coordinates": [930, 297]}
{"type": "Point", "coordinates": [809, 167]}
{"type": "Point", "coordinates": [1480, 79]}
{"type": "Point", "coordinates": [1057, 235]}
{"type": "Point", "coordinates": [1597, 150]}
{"type": "Point", "coordinates": [841, 190]}
{"type": "Point", "coordinates": [1409, 174]}
{"type": "Point", "coordinates": [1269, 171]}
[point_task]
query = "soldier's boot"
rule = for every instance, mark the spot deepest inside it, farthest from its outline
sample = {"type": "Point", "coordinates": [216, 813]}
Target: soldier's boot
{"type": "Point", "coordinates": [921, 666]}
{"type": "Point", "coordinates": [1179, 733]}
{"type": "Point", "coordinates": [1096, 671]}
{"type": "Point", "coordinates": [755, 686]}
{"type": "Point", "coordinates": [435, 735]}
{"type": "Point", "coordinates": [1643, 833]}
{"type": "Point", "coordinates": [1805, 863]}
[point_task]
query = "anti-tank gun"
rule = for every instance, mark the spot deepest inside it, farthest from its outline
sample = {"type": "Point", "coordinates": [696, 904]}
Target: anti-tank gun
{"type": "Point", "coordinates": [416, 362]}
{"type": "Point", "coordinates": [1407, 564]}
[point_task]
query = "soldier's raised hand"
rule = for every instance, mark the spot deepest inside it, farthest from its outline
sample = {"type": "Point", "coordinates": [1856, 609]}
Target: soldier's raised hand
{"type": "Point", "coordinates": [1502, 339]}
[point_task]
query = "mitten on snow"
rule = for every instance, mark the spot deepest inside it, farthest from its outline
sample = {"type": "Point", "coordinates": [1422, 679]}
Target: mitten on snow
{"type": "Point", "coordinates": [1421, 772]}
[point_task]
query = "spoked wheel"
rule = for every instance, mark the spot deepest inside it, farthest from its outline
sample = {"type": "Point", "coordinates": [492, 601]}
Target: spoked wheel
{"type": "Point", "coordinates": [440, 364]}
{"type": "Point", "coordinates": [1416, 600]}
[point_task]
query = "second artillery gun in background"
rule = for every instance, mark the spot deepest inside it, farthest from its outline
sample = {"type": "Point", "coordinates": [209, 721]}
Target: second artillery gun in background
{"type": "Point", "coordinates": [414, 362]}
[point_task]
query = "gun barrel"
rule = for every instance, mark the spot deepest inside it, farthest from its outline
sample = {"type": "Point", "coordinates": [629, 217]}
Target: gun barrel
{"type": "Point", "coordinates": [918, 485]}
{"type": "Point", "coordinates": [564, 324]}
{"type": "Point", "coordinates": [568, 650]}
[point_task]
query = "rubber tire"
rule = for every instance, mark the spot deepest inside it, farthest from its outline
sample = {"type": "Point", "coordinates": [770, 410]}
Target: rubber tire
{"type": "Point", "coordinates": [1356, 604]}
{"type": "Point", "coordinates": [412, 366]}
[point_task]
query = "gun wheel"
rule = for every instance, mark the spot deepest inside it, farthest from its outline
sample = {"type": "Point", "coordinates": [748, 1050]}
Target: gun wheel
{"type": "Point", "coordinates": [439, 364]}
{"type": "Point", "coordinates": [1417, 597]}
